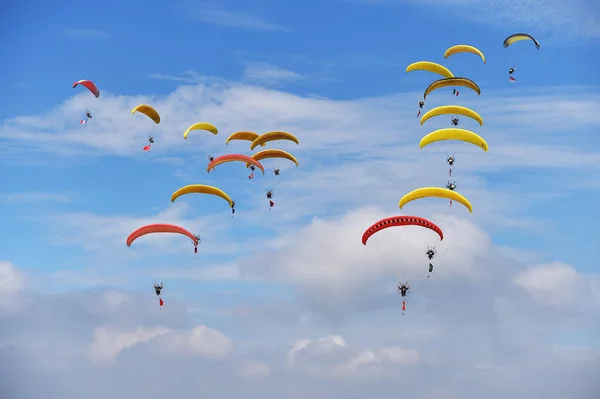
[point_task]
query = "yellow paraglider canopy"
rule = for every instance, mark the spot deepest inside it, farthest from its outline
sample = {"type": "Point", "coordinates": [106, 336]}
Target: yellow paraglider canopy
{"type": "Point", "coordinates": [201, 189]}
{"type": "Point", "coordinates": [464, 82]}
{"type": "Point", "coordinates": [272, 136]}
{"type": "Point", "coordinates": [454, 134]}
{"type": "Point", "coordinates": [463, 48]}
{"type": "Point", "coordinates": [430, 67]}
{"type": "Point", "coordinates": [452, 109]}
{"type": "Point", "coordinates": [435, 192]}
{"type": "Point", "coordinates": [201, 126]}
{"type": "Point", "coordinates": [148, 111]}
{"type": "Point", "coordinates": [243, 135]}
{"type": "Point", "coordinates": [265, 154]}
{"type": "Point", "coordinates": [517, 37]}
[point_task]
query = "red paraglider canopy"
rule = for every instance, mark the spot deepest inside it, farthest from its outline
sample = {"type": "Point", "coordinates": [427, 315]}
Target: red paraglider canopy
{"type": "Point", "coordinates": [234, 157]}
{"type": "Point", "coordinates": [400, 221]}
{"type": "Point", "coordinates": [91, 86]}
{"type": "Point", "coordinates": [160, 228]}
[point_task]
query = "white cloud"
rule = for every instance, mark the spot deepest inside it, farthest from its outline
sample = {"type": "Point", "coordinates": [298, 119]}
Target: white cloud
{"type": "Point", "coordinates": [331, 357]}
{"type": "Point", "coordinates": [341, 267]}
{"type": "Point", "coordinates": [109, 341]}
{"type": "Point", "coordinates": [216, 15]}
{"type": "Point", "coordinates": [12, 282]}
{"type": "Point", "coordinates": [199, 341]}
{"type": "Point", "coordinates": [556, 285]}
{"type": "Point", "coordinates": [268, 74]}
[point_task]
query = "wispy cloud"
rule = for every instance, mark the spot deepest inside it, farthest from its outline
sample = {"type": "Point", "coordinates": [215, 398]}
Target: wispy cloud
{"type": "Point", "coordinates": [268, 74]}
{"type": "Point", "coordinates": [559, 19]}
{"type": "Point", "coordinates": [216, 15]}
{"type": "Point", "coordinates": [30, 197]}
{"type": "Point", "coordinates": [86, 34]}
{"type": "Point", "coordinates": [184, 77]}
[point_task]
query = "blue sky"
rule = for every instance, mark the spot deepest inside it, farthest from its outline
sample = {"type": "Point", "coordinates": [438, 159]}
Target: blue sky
{"type": "Point", "coordinates": [289, 295]}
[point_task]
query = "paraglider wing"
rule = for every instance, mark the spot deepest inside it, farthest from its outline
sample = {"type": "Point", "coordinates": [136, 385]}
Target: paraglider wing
{"type": "Point", "coordinates": [159, 228]}
{"type": "Point", "coordinates": [452, 109]}
{"type": "Point", "coordinates": [91, 86]}
{"type": "Point", "coordinates": [430, 67]}
{"type": "Point", "coordinates": [395, 221]}
{"type": "Point", "coordinates": [454, 134]}
{"type": "Point", "coordinates": [435, 192]}
{"type": "Point", "coordinates": [201, 189]}
{"type": "Point", "coordinates": [464, 82]}
{"type": "Point", "coordinates": [148, 111]}
{"type": "Point", "coordinates": [272, 136]}
{"type": "Point", "coordinates": [201, 126]}
{"type": "Point", "coordinates": [463, 48]}
{"type": "Point", "coordinates": [247, 136]}
{"type": "Point", "coordinates": [234, 157]}
{"type": "Point", "coordinates": [517, 37]}
{"type": "Point", "coordinates": [265, 154]}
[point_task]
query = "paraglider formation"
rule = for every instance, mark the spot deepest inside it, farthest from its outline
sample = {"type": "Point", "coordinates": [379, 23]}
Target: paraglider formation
{"type": "Point", "coordinates": [454, 133]}
{"type": "Point", "coordinates": [253, 162]}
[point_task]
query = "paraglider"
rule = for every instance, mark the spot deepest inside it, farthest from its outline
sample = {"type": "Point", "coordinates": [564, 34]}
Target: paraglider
{"type": "Point", "coordinates": [450, 110]}
{"type": "Point", "coordinates": [232, 208]}
{"type": "Point", "coordinates": [161, 228]}
{"type": "Point", "coordinates": [234, 157]}
{"type": "Point", "coordinates": [201, 126]}
{"type": "Point", "coordinates": [276, 171]}
{"type": "Point", "coordinates": [198, 240]}
{"type": "Point", "coordinates": [88, 84]}
{"type": "Point", "coordinates": [454, 121]}
{"type": "Point", "coordinates": [517, 37]}
{"type": "Point", "coordinates": [210, 158]}
{"type": "Point", "coordinates": [450, 160]}
{"type": "Point", "coordinates": [464, 82]}
{"type": "Point", "coordinates": [85, 118]}
{"type": "Point", "coordinates": [403, 290]}
{"type": "Point", "coordinates": [158, 290]}
{"type": "Point", "coordinates": [438, 192]}
{"type": "Point", "coordinates": [431, 253]}
{"type": "Point", "coordinates": [272, 136]}
{"type": "Point", "coordinates": [430, 67]}
{"type": "Point", "coordinates": [148, 111]}
{"type": "Point", "coordinates": [150, 142]}
{"type": "Point", "coordinates": [270, 196]}
{"type": "Point", "coordinates": [511, 78]}
{"type": "Point", "coordinates": [421, 104]}
{"type": "Point", "coordinates": [452, 187]}
{"type": "Point", "coordinates": [464, 48]}
{"type": "Point", "coordinates": [454, 134]}
{"type": "Point", "coordinates": [396, 221]}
